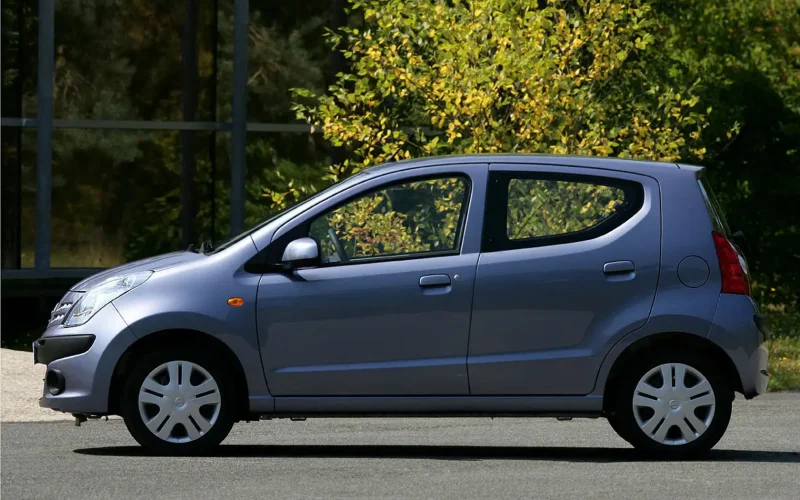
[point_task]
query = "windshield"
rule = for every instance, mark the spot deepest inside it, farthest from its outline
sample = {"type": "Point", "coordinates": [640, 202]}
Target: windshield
{"type": "Point", "coordinates": [299, 205]}
{"type": "Point", "coordinates": [263, 223]}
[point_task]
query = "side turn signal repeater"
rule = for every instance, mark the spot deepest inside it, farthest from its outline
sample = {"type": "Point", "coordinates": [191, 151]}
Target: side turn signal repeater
{"type": "Point", "coordinates": [236, 302]}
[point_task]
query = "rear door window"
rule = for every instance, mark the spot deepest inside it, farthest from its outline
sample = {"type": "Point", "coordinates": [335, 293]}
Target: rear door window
{"type": "Point", "coordinates": [528, 209]}
{"type": "Point", "coordinates": [538, 208]}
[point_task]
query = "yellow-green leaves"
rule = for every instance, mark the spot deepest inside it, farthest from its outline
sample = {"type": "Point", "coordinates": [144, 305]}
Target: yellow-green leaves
{"type": "Point", "coordinates": [491, 76]}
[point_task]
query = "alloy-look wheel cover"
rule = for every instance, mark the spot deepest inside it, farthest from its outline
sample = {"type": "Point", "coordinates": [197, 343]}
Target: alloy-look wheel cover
{"type": "Point", "coordinates": [179, 401]}
{"type": "Point", "coordinates": [673, 404]}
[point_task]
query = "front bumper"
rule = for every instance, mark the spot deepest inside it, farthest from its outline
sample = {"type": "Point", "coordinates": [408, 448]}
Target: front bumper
{"type": "Point", "coordinates": [49, 349]}
{"type": "Point", "coordinates": [742, 333]}
{"type": "Point", "coordinates": [86, 370]}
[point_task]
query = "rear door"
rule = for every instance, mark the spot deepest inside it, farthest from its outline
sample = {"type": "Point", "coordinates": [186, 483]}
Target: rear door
{"type": "Point", "coordinates": [569, 264]}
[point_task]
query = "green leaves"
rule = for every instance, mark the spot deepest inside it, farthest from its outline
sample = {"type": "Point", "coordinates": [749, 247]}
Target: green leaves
{"type": "Point", "coordinates": [502, 76]}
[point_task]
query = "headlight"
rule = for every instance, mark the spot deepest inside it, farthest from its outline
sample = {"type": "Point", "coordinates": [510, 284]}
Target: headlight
{"type": "Point", "coordinates": [96, 298]}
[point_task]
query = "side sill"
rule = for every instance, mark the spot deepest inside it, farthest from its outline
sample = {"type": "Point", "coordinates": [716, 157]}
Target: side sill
{"type": "Point", "coordinates": [440, 406]}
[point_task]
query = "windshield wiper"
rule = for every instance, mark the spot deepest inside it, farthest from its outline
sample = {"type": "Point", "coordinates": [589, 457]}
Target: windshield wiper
{"type": "Point", "coordinates": [206, 247]}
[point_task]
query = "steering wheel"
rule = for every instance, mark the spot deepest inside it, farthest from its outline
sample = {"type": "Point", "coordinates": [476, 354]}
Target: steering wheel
{"type": "Point", "coordinates": [337, 245]}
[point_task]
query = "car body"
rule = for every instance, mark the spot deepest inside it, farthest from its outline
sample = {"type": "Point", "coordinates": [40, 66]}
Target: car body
{"type": "Point", "coordinates": [505, 285]}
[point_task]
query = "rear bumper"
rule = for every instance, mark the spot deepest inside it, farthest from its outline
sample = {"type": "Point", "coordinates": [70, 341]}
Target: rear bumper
{"type": "Point", "coordinates": [763, 325]}
{"type": "Point", "coordinates": [742, 333]}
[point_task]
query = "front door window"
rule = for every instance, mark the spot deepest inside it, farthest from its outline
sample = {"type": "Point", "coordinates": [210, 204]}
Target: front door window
{"type": "Point", "coordinates": [415, 217]}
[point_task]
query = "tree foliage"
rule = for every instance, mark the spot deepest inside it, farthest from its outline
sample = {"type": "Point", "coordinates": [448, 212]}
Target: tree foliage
{"type": "Point", "coordinates": [491, 76]}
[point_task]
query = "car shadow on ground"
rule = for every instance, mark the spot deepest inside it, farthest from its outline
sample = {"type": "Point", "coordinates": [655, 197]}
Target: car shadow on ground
{"type": "Point", "coordinates": [467, 453]}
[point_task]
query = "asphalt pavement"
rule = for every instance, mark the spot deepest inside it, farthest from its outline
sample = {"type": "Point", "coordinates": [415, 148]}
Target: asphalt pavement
{"type": "Point", "coordinates": [407, 458]}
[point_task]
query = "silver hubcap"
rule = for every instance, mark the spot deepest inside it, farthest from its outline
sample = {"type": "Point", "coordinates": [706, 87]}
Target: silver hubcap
{"type": "Point", "coordinates": [673, 404]}
{"type": "Point", "coordinates": [179, 401]}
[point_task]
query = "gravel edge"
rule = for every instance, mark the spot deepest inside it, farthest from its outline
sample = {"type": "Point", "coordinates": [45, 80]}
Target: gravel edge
{"type": "Point", "coordinates": [21, 388]}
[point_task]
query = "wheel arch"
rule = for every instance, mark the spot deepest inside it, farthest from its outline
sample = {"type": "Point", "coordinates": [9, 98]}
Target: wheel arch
{"type": "Point", "coordinates": [173, 338]}
{"type": "Point", "coordinates": [673, 341]}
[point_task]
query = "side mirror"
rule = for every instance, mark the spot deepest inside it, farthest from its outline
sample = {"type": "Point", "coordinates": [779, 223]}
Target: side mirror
{"type": "Point", "coordinates": [302, 252]}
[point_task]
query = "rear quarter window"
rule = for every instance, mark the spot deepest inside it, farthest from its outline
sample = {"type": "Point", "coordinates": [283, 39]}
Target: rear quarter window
{"type": "Point", "coordinates": [714, 210]}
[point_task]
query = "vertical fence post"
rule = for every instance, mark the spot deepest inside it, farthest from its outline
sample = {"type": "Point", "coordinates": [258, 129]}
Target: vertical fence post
{"type": "Point", "coordinates": [188, 108]}
{"type": "Point", "coordinates": [239, 114]}
{"type": "Point", "coordinates": [44, 133]}
{"type": "Point", "coordinates": [11, 221]}
{"type": "Point", "coordinates": [212, 146]}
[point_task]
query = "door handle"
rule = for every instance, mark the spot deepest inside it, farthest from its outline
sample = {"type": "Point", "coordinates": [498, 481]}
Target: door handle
{"type": "Point", "coordinates": [618, 267]}
{"type": "Point", "coordinates": [434, 280]}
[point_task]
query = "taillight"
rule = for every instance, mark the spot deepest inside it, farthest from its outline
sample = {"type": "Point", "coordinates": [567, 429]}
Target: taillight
{"type": "Point", "coordinates": [734, 279]}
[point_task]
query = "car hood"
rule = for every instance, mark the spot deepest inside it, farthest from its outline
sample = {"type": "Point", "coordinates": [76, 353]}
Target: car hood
{"type": "Point", "coordinates": [159, 262]}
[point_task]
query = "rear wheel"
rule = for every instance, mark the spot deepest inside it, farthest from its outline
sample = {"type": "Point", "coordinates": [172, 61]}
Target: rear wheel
{"type": "Point", "coordinates": [672, 403]}
{"type": "Point", "coordinates": [178, 402]}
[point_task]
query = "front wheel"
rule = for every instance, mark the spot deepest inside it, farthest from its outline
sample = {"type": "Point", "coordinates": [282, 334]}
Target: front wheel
{"type": "Point", "coordinates": [178, 402]}
{"type": "Point", "coordinates": [675, 404]}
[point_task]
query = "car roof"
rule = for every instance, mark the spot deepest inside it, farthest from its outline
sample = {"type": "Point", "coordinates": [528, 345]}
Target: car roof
{"type": "Point", "coordinates": [618, 164]}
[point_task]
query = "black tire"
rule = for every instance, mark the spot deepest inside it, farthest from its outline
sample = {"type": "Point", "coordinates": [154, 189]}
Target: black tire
{"type": "Point", "coordinates": [129, 405]}
{"type": "Point", "coordinates": [614, 422]}
{"type": "Point", "coordinates": [623, 420]}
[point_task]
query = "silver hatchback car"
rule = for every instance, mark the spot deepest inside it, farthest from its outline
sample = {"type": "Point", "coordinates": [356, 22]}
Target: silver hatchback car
{"type": "Point", "coordinates": [458, 286]}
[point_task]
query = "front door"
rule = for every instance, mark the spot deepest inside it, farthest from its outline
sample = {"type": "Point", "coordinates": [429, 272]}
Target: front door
{"type": "Point", "coordinates": [388, 310]}
{"type": "Point", "coordinates": [569, 265]}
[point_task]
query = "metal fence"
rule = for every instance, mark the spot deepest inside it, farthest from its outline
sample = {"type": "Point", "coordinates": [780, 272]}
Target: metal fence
{"type": "Point", "coordinates": [44, 124]}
